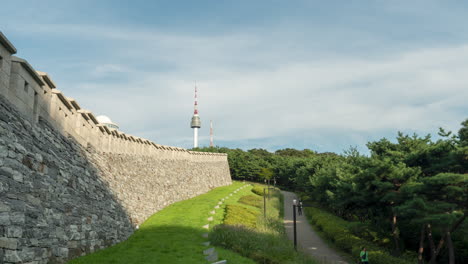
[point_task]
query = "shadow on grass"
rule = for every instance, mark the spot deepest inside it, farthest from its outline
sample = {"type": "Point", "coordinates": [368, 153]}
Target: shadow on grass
{"type": "Point", "coordinates": [162, 244]}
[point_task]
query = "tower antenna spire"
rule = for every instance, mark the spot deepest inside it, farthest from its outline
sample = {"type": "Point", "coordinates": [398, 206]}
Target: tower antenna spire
{"type": "Point", "coordinates": [196, 123]}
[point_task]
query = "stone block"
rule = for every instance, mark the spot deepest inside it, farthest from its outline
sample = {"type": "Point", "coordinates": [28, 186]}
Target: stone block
{"type": "Point", "coordinates": [4, 207]}
{"type": "Point", "coordinates": [17, 176]}
{"type": "Point", "coordinates": [17, 217]}
{"type": "Point", "coordinates": [14, 231]}
{"type": "Point", "coordinates": [220, 262]}
{"type": "Point", "coordinates": [5, 218]}
{"type": "Point", "coordinates": [205, 235]}
{"type": "Point", "coordinates": [6, 171]}
{"type": "Point", "coordinates": [20, 148]}
{"type": "Point", "coordinates": [9, 243]}
{"type": "Point", "coordinates": [27, 254]}
{"type": "Point", "coordinates": [60, 252]}
{"type": "Point", "coordinates": [207, 226]}
{"type": "Point", "coordinates": [3, 151]}
{"type": "Point", "coordinates": [216, 207]}
{"type": "Point", "coordinates": [213, 212]}
{"type": "Point", "coordinates": [210, 218]}
{"type": "Point", "coordinates": [206, 244]}
{"type": "Point", "coordinates": [12, 256]}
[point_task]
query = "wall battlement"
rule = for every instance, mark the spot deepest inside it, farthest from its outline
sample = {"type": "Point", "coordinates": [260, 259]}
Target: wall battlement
{"type": "Point", "coordinates": [37, 97]}
{"type": "Point", "coordinates": [70, 185]}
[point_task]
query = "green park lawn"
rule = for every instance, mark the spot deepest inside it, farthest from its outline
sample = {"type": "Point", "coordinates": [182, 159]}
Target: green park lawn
{"type": "Point", "coordinates": [174, 234]}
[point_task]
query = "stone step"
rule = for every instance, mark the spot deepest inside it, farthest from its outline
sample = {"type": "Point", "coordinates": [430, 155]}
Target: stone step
{"type": "Point", "coordinates": [213, 257]}
{"type": "Point", "coordinates": [206, 244]}
{"type": "Point", "coordinates": [209, 251]}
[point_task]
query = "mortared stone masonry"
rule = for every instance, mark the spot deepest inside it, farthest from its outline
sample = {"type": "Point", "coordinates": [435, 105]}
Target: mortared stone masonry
{"type": "Point", "coordinates": [69, 185]}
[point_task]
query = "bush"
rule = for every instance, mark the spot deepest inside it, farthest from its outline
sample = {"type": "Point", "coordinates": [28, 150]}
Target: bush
{"type": "Point", "coordinates": [257, 189]}
{"type": "Point", "coordinates": [252, 200]}
{"type": "Point", "coordinates": [338, 231]}
{"type": "Point", "coordinates": [239, 215]}
{"type": "Point", "coordinates": [259, 246]}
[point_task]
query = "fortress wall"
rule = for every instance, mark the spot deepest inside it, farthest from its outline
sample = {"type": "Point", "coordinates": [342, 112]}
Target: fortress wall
{"type": "Point", "coordinates": [69, 185]}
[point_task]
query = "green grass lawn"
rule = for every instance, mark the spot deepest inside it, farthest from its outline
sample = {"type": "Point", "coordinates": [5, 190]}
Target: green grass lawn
{"type": "Point", "coordinates": [174, 235]}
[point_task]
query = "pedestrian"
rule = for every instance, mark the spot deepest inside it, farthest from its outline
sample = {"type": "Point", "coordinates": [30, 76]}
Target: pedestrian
{"type": "Point", "coordinates": [364, 256]}
{"type": "Point", "coordinates": [299, 208]}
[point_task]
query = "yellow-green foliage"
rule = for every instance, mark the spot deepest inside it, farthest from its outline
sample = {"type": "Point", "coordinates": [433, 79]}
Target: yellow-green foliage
{"type": "Point", "coordinates": [261, 239]}
{"type": "Point", "coordinates": [336, 230]}
{"type": "Point", "coordinates": [252, 200]}
{"type": "Point", "coordinates": [240, 215]}
{"type": "Point", "coordinates": [259, 246]}
{"type": "Point", "coordinates": [257, 189]}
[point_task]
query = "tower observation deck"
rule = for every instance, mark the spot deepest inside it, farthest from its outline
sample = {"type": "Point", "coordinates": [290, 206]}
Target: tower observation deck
{"type": "Point", "coordinates": [196, 122]}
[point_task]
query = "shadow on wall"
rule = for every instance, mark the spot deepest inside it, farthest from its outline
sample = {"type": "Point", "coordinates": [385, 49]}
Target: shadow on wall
{"type": "Point", "coordinates": [53, 204]}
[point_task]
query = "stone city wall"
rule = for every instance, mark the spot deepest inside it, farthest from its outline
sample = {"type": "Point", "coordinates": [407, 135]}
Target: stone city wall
{"type": "Point", "coordinates": [69, 185]}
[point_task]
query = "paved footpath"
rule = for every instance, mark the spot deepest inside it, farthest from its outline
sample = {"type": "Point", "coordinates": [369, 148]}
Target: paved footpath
{"type": "Point", "coordinates": [307, 240]}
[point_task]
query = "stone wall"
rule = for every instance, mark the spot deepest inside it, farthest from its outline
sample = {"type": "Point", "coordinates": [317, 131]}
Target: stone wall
{"type": "Point", "coordinates": [69, 185]}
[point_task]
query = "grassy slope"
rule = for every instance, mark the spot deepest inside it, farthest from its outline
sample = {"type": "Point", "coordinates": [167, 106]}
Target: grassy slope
{"type": "Point", "coordinates": [173, 235]}
{"type": "Point", "coordinates": [266, 242]}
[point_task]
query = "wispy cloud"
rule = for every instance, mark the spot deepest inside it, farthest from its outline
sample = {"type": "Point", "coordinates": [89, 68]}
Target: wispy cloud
{"type": "Point", "coordinates": [254, 88]}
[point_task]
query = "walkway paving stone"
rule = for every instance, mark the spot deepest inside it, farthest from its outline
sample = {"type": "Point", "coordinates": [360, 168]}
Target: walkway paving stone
{"type": "Point", "coordinates": [307, 240]}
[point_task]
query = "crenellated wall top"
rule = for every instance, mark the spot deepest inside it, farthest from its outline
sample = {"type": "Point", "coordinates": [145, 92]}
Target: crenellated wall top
{"type": "Point", "coordinates": [36, 96]}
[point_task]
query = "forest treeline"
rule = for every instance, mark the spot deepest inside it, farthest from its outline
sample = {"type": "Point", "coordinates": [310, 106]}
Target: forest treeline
{"type": "Point", "coordinates": [412, 191]}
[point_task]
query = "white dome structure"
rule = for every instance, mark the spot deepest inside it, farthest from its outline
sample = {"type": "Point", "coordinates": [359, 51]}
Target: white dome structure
{"type": "Point", "coordinates": [105, 120]}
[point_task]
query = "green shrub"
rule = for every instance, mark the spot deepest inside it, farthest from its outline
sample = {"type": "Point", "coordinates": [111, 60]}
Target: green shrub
{"type": "Point", "coordinates": [239, 215]}
{"type": "Point", "coordinates": [259, 246]}
{"type": "Point", "coordinates": [343, 235]}
{"type": "Point", "coordinates": [257, 189]}
{"type": "Point", "coordinates": [252, 200]}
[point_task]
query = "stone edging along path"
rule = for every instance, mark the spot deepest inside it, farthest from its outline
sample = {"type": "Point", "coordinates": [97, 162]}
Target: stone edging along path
{"type": "Point", "coordinates": [210, 254]}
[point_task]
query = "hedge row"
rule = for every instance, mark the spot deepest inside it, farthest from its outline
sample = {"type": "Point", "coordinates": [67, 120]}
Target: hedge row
{"type": "Point", "coordinates": [239, 215]}
{"type": "Point", "coordinates": [257, 189]}
{"type": "Point", "coordinates": [336, 230]}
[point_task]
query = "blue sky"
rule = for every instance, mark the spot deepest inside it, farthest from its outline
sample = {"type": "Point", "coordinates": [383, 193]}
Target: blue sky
{"type": "Point", "coordinates": [323, 75]}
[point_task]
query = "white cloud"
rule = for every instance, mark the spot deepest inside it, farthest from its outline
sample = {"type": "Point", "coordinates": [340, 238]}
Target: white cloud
{"type": "Point", "coordinates": [253, 89]}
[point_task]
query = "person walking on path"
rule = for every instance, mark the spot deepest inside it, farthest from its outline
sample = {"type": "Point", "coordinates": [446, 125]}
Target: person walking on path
{"type": "Point", "coordinates": [299, 208]}
{"type": "Point", "coordinates": [364, 256]}
{"type": "Point", "coordinates": [307, 240]}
